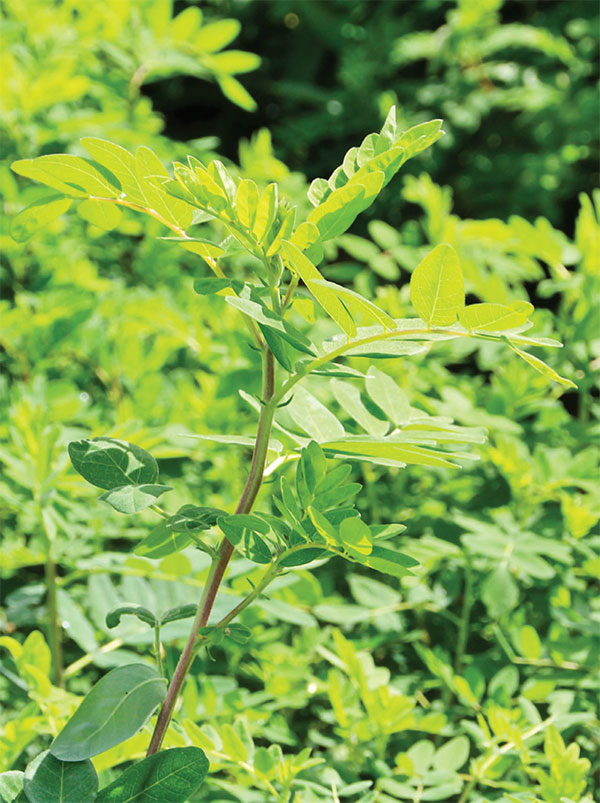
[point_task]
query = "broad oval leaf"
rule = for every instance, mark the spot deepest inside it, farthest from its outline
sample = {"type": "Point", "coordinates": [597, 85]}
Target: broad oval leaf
{"type": "Point", "coordinates": [109, 463]}
{"type": "Point", "coordinates": [115, 708]}
{"type": "Point", "coordinates": [171, 775]}
{"type": "Point", "coordinates": [194, 517]}
{"type": "Point", "coordinates": [133, 498]}
{"type": "Point", "coordinates": [436, 287]}
{"type": "Point", "coordinates": [48, 780]}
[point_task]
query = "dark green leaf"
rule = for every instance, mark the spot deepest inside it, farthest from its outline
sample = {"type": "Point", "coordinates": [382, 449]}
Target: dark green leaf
{"type": "Point", "coordinates": [162, 541]}
{"type": "Point", "coordinates": [48, 780]}
{"type": "Point", "coordinates": [171, 776]}
{"type": "Point", "coordinates": [109, 463]}
{"type": "Point", "coordinates": [143, 614]}
{"type": "Point", "coordinates": [179, 612]}
{"type": "Point", "coordinates": [115, 708]}
{"type": "Point", "coordinates": [194, 517]}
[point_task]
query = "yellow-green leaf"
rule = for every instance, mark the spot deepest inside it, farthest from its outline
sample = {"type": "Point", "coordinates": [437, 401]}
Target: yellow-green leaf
{"type": "Point", "coordinates": [542, 367]}
{"type": "Point", "coordinates": [298, 263]}
{"type": "Point", "coordinates": [236, 93]}
{"type": "Point", "coordinates": [495, 317]}
{"type": "Point", "coordinates": [37, 215]}
{"type": "Point", "coordinates": [104, 214]}
{"type": "Point", "coordinates": [246, 202]}
{"type": "Point", "coordinates": [436, 288]}
{"type": "Point", "coordinates": [265, 212]}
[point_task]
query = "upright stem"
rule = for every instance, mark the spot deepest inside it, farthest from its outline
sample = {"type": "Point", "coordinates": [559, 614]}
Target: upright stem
{"type": "Point", "coordinates": [219, 563]}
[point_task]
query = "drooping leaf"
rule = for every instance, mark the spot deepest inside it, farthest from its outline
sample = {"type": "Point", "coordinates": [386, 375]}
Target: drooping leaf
{"type": "Point", "coordinates": [36, 216]}
{"type": "Point", "coordinates": [115, 708]}
{"type": "Point", "coordinates": [170, 775]}
{"type": "Point", "coordinates": [143, 614]}
{"type": "Point", "coordinates": [313, 417]}
{"type": "Point", "coordinates": [542, 367]}
{"type": "Point", "coordinates": [48, 780]}
{"type": "Point", "coordinates": [179, 612]}
{"type": "Point", "coordinates": [436, 287]}
{"type": "Point", "coordinates": [109, 463]}
{"type": "Point", "coordinates": [194, 517]}
{"type": "Point", "coordinates": [162, 541]}
{"type": "Point", "coordinates": [388, 396]}
{"type": "Point", "coordinates": [298, 263]}
{"type": "Point", "coordinates": [236, 92]}
{"type": "Point", "coordinates": [358, 306]}
{"type": "Point", "coordinates": [348, 397]}
{"type": "Point", "coordinates": [133, 498]}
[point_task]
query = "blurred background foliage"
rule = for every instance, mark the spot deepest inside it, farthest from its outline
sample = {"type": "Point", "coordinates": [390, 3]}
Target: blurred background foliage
{"type": "Point", "coordinates": [475, 680]}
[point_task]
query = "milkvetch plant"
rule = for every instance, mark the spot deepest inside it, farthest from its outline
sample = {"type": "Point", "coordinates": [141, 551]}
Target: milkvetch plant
{"type": "Point", "coordinates": [313, 516]}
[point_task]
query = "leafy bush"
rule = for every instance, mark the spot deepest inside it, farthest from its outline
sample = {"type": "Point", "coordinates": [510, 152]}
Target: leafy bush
{"type": "Point", "coordinates": [466, 675]}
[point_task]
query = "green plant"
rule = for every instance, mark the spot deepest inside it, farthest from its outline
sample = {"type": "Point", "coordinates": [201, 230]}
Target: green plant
{"type": "Point", "coordinates": [315, 515]}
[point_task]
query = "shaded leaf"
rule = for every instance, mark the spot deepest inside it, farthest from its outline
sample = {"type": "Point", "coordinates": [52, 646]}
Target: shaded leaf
{"type": "Point", "coordinates": [48, 780]}
{"type": "Point", "coordinates": [115, 708]}
{"type": "Point", "coordinates": [109, 463]}
{"type": "Point", "coordinates": [170, 775]}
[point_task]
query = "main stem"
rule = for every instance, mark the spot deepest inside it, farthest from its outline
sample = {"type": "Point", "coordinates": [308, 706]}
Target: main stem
{"type": "Point", "coordinates": [219, 563]}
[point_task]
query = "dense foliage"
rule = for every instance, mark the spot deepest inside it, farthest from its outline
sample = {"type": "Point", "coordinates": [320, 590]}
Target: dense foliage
{"type": "Point", "coordinates": [456, 660]}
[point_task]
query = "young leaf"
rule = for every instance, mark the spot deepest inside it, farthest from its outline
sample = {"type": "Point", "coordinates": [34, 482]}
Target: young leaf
{"type": "Point", "coordinates": [265, 213]}
{"type": "Point", "coordinates": [495, 317]}
{"type": "Point", "coordinates": [298, 263]}
{"type": "Point", "coordinates": [133, 498]}
{"type": "Point", "coordinates": [339, 211]}
{"type": "Point", "coordinates": [115, 708]}
{"type": "Point", "coordinates": [246, 202]}
{"type": "Point", "coordinates": [48, 780]}
{"type": "Point", "coordinates": [109, 463]}
{"type": "Point", "coordinates": [542, 367]}
{"type": "Point", "coordinates": [171, 775]}
{"type": "Point", "coordinates": [436, 287]}
{"type": "Point", "coordinates": [36, 216]}
{"type": "Point", "coordinates": [143, 614]}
